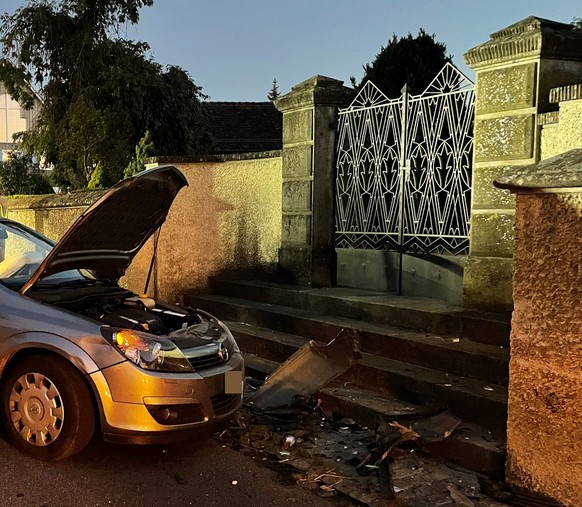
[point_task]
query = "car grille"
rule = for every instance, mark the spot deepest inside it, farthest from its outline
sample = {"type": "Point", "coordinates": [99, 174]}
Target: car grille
{"type": "Point", "coordinates": [209, 360]}
{"type": "Point", "coordinates": [224, 403]}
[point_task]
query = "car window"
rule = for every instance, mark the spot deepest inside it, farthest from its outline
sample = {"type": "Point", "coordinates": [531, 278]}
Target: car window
{"type": "Point", "coordinates": [21, 253]}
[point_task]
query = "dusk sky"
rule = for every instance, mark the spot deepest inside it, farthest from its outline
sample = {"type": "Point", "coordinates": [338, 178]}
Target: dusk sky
{"type": "Point", "coordinates": [234, 48]}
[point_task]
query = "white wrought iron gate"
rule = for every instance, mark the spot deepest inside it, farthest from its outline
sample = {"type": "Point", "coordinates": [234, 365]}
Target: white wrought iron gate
{"type": "Point", "coordinates": [407, 189]}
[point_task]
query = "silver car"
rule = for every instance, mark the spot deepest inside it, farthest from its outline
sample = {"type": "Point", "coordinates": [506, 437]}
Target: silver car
{"type": "Point", "coordinates": [80, 354]}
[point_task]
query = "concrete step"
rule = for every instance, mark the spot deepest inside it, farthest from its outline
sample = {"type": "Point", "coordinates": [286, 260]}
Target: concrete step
{"type": "Point", "coordinates": [471, 446]}
{"type": "Point", "coordinates": [470, 399]}
{"type": "Point", "coordinates": [420, 314]}
{"type": "Point", "coordinates": [457, 356]}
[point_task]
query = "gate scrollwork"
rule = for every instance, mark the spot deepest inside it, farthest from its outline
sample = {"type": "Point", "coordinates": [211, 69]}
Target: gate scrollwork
{"type": "Point", "coordinates": [427, 168]}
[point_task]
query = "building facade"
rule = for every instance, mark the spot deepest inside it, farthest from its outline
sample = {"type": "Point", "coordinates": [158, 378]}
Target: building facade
{"type": "Point", "coordinates": [14, 119]}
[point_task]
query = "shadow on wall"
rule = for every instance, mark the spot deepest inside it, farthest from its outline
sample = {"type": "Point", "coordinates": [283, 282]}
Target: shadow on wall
{"type": "Point", "coordinates": [249, 259]}
{"type": "Point", "coordinates": [225, 224]}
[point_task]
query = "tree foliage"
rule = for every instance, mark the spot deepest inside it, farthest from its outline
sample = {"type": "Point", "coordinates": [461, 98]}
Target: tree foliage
{"type": "Point", "coordinates": [98, 178]}
{"type": "Point", "coordinates": [411, 60]}
{"type": "Point", "coordinates": [143, 150]}
{"type": "Point", "coordinates": [274, 92]}
{"type": "Point", "coordinates": [86, 137]}
{"type": "Point", "coordinates": [100, 92]}
{"type": "Point", "coordinates": [20, 174]}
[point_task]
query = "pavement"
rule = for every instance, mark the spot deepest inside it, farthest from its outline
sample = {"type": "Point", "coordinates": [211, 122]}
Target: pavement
{"type": "Point", "coordinates": [203, 473]}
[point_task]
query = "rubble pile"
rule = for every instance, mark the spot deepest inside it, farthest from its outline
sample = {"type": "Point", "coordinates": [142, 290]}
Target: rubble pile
{"type": "Point", "coordinates": [352, 465]}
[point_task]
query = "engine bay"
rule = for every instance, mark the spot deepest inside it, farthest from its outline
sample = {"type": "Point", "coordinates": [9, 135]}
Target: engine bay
{"type": "Point", "coordinates": [121, 308]}
{"type": "Point", "coordinates": [204, 341]}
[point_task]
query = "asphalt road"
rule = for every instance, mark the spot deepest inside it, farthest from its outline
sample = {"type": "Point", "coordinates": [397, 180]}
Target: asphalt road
{"type": "Point", "coordinates": [195, 473]}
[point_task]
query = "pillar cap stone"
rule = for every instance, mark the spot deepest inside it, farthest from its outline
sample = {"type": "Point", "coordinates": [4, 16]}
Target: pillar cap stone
{"type": "Point", "coordinates": [317, 90]}
{"type": "Point", "coordinates": [561, 171]}
{"type": "Point", "coordinates": [318, 81]}
{"type": "Point", "coordinates": [531, 36]}
{"type": "Point", "coordinates": [548, 118]}
{"type": "Point", "coordinates": [566, 93]}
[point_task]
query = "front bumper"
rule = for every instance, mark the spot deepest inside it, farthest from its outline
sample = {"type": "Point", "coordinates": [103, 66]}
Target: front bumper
{"type": "Point", "coordinates": [131, 399]}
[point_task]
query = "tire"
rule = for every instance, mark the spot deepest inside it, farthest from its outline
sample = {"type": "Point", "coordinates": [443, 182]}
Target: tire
{"type": "Point", "coordinates": [47, 407]}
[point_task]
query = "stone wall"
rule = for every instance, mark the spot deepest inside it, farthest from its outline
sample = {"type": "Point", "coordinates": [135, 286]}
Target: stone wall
{"type": "Point", "coordinates": [307, 254]}
{"type": "Point", "coordinates": [515, 70]}
{"type": "Point", "coordinates": [227, 220]}
{"type": "Point", "coordinates": [50, 215]}
{"type": "Point", "coordinates": [544, 434]}
{"type": "Point", "coordinates": [562, 129]}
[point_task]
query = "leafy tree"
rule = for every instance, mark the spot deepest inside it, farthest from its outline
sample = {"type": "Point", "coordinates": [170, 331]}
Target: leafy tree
{"type": "Point", "coordinates": [98, 178]}
{"type": "Point", "coordinates": [20, 174]}
{"type": "Point", "coordinates": [142, 151]}
{"type": "Point", "coordinates": [85, 133]}
{"type": "Point", "coordinates": [100, 92]}
{"type": "Point", "coordinates": [274, 93]}
{"type": "Point", "coordinates": [410, 60]}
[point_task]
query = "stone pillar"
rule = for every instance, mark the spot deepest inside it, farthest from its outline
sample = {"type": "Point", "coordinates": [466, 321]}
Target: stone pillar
{"type": "Point", "coordinates": [544, 430]}
{"type": "Point", "coordinates": [309, 129]}
{"type": "Point", "coordinates": [515, 70]}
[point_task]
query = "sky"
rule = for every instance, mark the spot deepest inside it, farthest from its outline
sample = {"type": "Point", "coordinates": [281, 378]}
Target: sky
{"type": "Point", "coordinates": [235, 48]}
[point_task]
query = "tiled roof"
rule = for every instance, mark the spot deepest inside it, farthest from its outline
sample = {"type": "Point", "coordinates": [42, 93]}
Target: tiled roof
{"type": "Point", "coordinates": [242, 127]}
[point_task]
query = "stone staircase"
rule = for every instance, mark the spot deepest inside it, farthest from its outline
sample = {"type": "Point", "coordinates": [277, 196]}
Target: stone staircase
{"type": "Point", "coordinates": [417, 351]}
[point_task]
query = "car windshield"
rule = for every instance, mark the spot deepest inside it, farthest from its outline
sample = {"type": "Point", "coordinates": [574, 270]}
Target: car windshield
{"type": "Point", "coordinates": [21, 252]}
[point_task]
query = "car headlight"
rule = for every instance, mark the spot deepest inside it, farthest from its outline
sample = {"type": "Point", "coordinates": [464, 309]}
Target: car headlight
{"type": "Point", "coordinates": [148, 351]}
{"type": "Point", "coordinates": [232, 340]}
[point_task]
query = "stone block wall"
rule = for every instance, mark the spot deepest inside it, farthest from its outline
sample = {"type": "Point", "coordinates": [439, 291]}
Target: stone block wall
{"type": "Point", "coordinates": [515, 70]}
{"type": "Point", "coordinates": [307, 254]}
{"type": "Point", "coordinates": [227, 220]}
{"type": "Point", "coordinates": [562, 129]}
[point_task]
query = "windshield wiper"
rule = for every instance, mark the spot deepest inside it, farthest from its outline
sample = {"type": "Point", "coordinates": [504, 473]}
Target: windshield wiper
{"type": "Point", "coordinates": [86, 282]}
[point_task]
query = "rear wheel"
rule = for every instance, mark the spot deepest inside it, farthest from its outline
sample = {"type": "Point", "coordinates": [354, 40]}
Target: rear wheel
{"type": "Point", "coordinates": [47, 407]}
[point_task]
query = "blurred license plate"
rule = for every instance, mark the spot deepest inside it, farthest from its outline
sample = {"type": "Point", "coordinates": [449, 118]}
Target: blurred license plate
{"type": "Point", "coordinates": [233, 382]}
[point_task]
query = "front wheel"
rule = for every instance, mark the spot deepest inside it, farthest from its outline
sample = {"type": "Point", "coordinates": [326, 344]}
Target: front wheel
{"type": "Point", "coordinates": [47, 407]}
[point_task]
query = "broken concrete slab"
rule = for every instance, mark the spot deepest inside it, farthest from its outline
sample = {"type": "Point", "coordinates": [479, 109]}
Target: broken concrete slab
{"type": "Point", "coordinates": [307, 371]}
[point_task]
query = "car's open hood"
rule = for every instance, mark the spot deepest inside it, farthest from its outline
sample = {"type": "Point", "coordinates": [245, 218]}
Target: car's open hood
{"type": "Point", "coordinates": [108, 235]}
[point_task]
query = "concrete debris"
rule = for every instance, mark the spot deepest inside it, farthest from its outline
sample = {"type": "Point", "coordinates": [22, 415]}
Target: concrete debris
{"type": "Point", "coordinates": [390, 435]}
{"type": "Point", "coordinates": [436, 428]}
{"type": "Point", "coordinates": [329, 450]}
{"type": "Point", "coordinates": [307, 371]}
{"type": "Point", "coordinates": [459, 497]}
